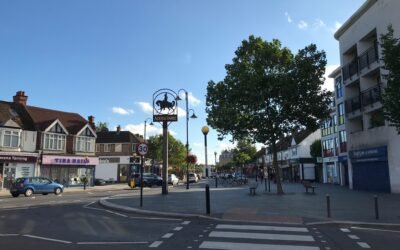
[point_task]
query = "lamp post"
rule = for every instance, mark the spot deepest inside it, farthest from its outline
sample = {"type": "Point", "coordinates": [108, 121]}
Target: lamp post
{"type": "Point", "coordinates": [215, 162]}
{"type": "Point", "coordinates": [145, 125]}
{"type": "Point", "coordinates": [187, 132]}
{"type": "Point", "coordinates": [205, 130]}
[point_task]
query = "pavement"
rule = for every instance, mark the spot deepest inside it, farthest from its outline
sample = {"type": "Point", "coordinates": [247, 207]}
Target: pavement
{"type": "Point", "coordinates": [236, 204]}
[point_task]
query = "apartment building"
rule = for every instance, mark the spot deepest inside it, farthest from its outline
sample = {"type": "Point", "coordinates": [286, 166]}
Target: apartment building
{"type": "Point", "coordinates": [373, 146]}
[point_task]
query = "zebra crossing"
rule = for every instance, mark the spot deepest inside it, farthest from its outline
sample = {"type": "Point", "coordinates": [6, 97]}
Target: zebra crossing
{"type": "Point", "coordinates": [259, 237]}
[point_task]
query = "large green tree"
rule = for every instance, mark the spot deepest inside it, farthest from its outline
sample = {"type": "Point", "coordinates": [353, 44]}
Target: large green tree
{"type": "Point", "coordinates": [391, 97]}
{"type": "Point", "coordinates": [176, 152]}
{"type": "Point", "coordinates": [244, 152]}
{"type": "Point", "coordinates": [102, 127]}
{"type": "Point", "coordinates": [268, 91]}
{"type": "Point", "coordinates": [316, 149]}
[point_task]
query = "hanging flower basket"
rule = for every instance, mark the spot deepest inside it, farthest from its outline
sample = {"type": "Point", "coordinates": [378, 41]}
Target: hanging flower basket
{"type": "Point", "coordinates": [191, 159]}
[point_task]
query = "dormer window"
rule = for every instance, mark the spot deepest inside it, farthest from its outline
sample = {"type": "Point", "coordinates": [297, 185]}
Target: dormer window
{"type": "Point", "coordinates": [54, 142]}
{"type": "Point", "coordinates": [85, 141]}
{"type": "Point", "coordinates": [10, 138]}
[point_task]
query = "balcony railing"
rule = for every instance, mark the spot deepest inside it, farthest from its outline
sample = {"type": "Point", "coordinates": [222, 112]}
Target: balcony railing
{"type": "Point", "coordinates": [350, 69]}
{"type": "Point", "coordinates": [353, 104]}
{"type": "Point", "coordinates": [343, 147]}
{"type": "Point", "coordinates": [328, 152]}
{"type": "Point", "coordinates": [371, 95]}
{"type": "Point", "coordinates": [368, 57]}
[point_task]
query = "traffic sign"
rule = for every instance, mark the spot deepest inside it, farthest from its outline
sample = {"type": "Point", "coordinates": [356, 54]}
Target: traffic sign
{"type": "Point", "coordinates": [142, 149]}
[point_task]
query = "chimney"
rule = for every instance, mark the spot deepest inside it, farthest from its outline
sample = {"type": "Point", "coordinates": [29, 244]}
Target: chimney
{"type": "Point", "coordinates": [20, 98]}
{"type": "Point", "coordinates": [118, 129]}
{"type": "Point", "coordinates": [91, 122]}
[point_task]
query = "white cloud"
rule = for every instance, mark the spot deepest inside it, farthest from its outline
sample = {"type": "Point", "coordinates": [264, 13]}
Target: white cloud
{"type": "Point", "coordinates": [302, 25]}
{"type": "Point", "coordinates": [145, 107]}
{"type": "Point", "coordinates": [336, 27]}
{"type": "Point", "coordinates": [196, 144]}
{"type": "Point", "coordinates": [289, 19]}
{"type": "Point", "coordinates": [139, 129]}
{"type": "Point", "coordinates": [122, 111]}
{"type": "Point", "coordinates": [193, 100]}
{"type": "Point", "coordinates": [329, 82]}
{"type": "Point", "coordinates": [319, 24]}
{"type": "Point", "coordinates": [181, 112]}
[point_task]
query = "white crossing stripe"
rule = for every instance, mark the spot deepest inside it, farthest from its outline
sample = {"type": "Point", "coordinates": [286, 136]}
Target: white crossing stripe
{"type": "Point", "coordinates": [156, 244]}
{"type": "Point", "coordinates": [48, 239]}
{"type": "Point", "coordinates": [353, 237]}
{"type": "Point", "coordinates": [262, 236]}
{"type": "Point", "coordinates": [345, 230]}
{"type": "Point", "coordinates": [269, 228]}
{"type": "Point", "coordinates": [241, 246]}
{"type": "Point", "coordinates": [178, 228]}
{"type": "Point", "coordinates": [186, 222]}
{"type": "Point", "coordinates": [168, 235]}
{"type": "Point", "coordinates": [363, 245]}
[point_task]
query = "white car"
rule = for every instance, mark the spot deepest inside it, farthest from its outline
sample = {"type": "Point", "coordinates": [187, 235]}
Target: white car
{"type": "Point", "coordinates": [172, 179]}
{"type": "Point", "coordinates": [193, 177]}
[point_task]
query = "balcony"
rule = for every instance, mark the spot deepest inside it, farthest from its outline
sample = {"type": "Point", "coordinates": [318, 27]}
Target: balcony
{"type": "Point", "coordinates": [371, 96]}
{"type": "Point", "coordinates": [368, 57]}
{"type": "Point", "coordinates": [353, 104]}
{"type": "Point", "coordinates": [350, 70]}
{"type": "Point", "coordinates": [328, 152]}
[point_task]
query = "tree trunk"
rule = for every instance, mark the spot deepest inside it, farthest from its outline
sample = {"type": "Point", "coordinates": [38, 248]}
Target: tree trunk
{"type": "Point", "coordinates": [279, 189]}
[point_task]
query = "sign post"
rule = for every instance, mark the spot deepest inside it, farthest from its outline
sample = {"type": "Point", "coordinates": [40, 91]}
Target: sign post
{"type": "Point", "coordinates": [142, 150]}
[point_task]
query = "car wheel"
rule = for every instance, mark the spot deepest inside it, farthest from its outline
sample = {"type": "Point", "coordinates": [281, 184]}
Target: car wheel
{"type": "Point", "coordinates": [28, 192]}
{"type": "Point", "coordinates": [45, 193]}
{"type": "Point", "coordinates": [15, 194]}
{"type": "Point", "coordinates": [57, 191]}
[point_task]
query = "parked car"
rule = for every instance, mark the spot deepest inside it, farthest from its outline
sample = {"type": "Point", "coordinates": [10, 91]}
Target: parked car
{"type": "Point", "coordinates": [149, 179]}
{"type": "Point", "coordinates": [100, 182]}
{"type": "Point", "coordinates": [172, 179]}
{"type": "Point", "coordinates": [31, 185]}
{"type": "Point", "coordinates": [193, 177]}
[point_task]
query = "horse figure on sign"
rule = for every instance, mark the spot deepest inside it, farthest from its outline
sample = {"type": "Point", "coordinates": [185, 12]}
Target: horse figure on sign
{"type": "Point", "coordinates": [165, 104]}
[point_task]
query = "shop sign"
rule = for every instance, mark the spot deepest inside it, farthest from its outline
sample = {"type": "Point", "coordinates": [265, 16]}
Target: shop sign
{"type": "Point", "coordinates": [342, 158]}
{"type": "Point", "coordinates": [17, 158]}
{"type": "Point", "coordinates": [369, 154]}
{"type": "Point", "coordinates": [69, 160]}
{"type": "Point", "coordinates": [109, 160]}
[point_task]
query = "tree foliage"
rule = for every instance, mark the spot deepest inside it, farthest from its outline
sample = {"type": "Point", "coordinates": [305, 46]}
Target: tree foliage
{"type": "Point", "coordinates": [176, 152]}
{"type": "Point", "coordinates": [244, 152]}
{"type": "Point", "coordinates": [268, 91]}
{"type": "Point", "coordinates": [316, 149]}
{"type": "Point", "coordinates": [102, 127]}
{"type": "Point", "coordinates": [391, 97]}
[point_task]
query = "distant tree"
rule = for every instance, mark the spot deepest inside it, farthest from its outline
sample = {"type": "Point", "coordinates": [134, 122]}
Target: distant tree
{"type": "Point", "coordinates": [391, 58]}
{"type": "Point", "coordinates": [244, 152]}
{"type": "Point", "coordinates": [267, 92]}
{"type": "Point", "coordinates": [102, 127]}
{"type": "Point", "coordinates": [316, 149]}
{"type": "Point", "coordinates": [176, 152]}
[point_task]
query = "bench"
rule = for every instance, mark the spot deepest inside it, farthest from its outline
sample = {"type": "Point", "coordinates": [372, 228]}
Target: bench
{"type": "Point", "coordinates": [309, 184]}
{"type": "Point", "coordinates": [253, 189]}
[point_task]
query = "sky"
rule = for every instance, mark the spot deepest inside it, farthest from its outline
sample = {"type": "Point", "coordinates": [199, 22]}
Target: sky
{"type": "Point", "coordinates": [107, 58]}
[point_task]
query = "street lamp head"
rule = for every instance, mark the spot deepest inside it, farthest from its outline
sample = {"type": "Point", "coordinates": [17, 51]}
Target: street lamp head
{"type": "Point", "coordinates": [205, 130]}
{"type": "Point", "coordinates": [178, 98]}
{"type": "Point", "coordinates": [193, 116]}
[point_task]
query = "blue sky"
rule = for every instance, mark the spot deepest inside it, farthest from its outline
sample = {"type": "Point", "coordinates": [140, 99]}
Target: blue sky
{"type": "Point", "coordinates": [107, 58]}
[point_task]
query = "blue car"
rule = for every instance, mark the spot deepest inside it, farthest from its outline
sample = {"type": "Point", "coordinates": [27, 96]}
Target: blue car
{"type": "Point", "coordinates": [31, 185]}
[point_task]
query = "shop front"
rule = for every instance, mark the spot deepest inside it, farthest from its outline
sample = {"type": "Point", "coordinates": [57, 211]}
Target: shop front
{"type": "Point", "coordinates": [69, 170]}
{"type": "Point", "coordinates": [15, 165]}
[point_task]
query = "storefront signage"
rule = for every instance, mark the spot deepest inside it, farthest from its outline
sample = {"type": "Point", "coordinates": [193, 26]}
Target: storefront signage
{"type": "Point", "coordinates": [109, 160]}
{"type": "Point", "coordinates": [17, 158]}
{"type": "Point", "coordinates": [342, 158]}
{"type": "Point", "coordinates": [369, 154]}
{"type": "Point", "coordinates": [69, 160]}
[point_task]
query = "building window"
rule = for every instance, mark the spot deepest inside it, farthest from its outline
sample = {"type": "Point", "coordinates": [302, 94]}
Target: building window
{"type": "Point", "coordinates": [10, 139]}
{"type": "Point", "coordinates": [97, 147]}
{"type": "Point", "coordinates": [84, 144]}
{"type": "Point", "coordinates": [118, 147]}
{"type": "Point", "coordinates": [106, 148]}
{"type": "Point", "coordinates": [328, 147]}
{"type": "Point", "coordinates": [294, 151]}
{"type": "Point", "coordinates": [341, 113]}
{"type": "Point", "coordinates": [343, 141]}
{"type": "Point", "coordinates": [339, 87]}
{"type": "Point", "coordinates": [377, 119]}
{"type": "Point", "coordinates": [54, 142]}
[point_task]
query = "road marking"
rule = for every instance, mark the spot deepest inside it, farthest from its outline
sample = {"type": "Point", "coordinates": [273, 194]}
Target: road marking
{"type": "Point", "coordinates": [178, 228]}
{"type": "Point", "coordinates": [156, 244]}
{"type": "Point", "coordinates": [262, 236]}
{"type": "Point", "coordinates": [266, 228]}
{"type": "Point", "coordinates": [154, 218]}
{"type": "Point", "coordinates": [111, 243]}
{"type": "Point", "coordinates": [353, 237]}
{"type": "Point", "coordinates": [363, 245]}
{"type": "Point", "coordinates": [7, 235]}
{"type": "Point", "coordinates": [376, 229]}
{"type": "Point", "coordinates": [345, 230]}
{"type": "Point", "coordinates": [168, 235]}
{"type": "Point", "coordinates": [252, 246]}
{"type": "Point", "coordinates": [48, 239]}
{"type": "Point", "coordinates": [186, 222]}
{"type": "Point", "coordinates": [112, 212]}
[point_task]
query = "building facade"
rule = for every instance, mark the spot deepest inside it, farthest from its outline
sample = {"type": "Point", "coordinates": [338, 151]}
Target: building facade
{"type": "Point", "coordinates": [373, 146]}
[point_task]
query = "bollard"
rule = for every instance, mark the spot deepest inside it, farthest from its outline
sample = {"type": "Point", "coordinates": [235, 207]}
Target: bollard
{"type": "Point", "coordinates": [376, 207]}
{"type": "Point", "coordinates": [216, 181]}
{"type": "Point", "coordinates": [328, 205]}
{"type": "Point", "coordinates": [208, 199]}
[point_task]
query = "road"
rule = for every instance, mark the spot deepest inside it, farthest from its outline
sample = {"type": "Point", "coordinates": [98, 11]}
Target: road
{"type": "Point", "coordinates": [76, 221]}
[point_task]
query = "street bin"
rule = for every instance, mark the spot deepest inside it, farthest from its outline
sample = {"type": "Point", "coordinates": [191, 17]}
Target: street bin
{"type": "Point", "coordinates": [132, 183]}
